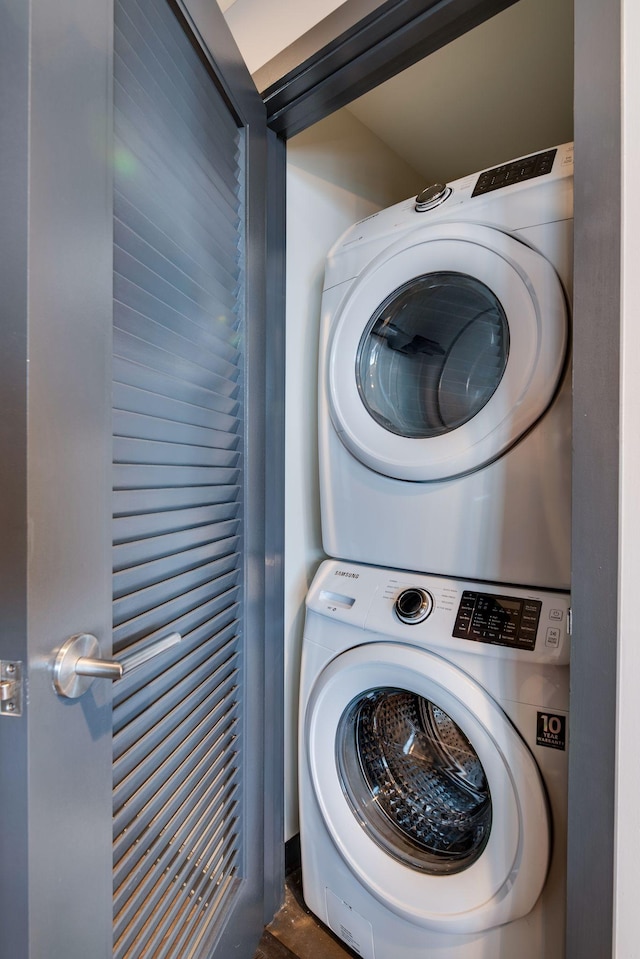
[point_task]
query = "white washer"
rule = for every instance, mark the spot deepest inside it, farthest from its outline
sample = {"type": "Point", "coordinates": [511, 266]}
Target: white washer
{"type": "Point", "coordinates": [433, 764]}
{"type": "Point", "coordinates": [444, 386]}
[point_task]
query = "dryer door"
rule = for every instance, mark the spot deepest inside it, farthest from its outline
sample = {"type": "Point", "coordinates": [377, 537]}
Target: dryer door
{"type": "Point", "coordinates": [429, 793]}
{"type": "Point", "coordinates": [447, 348]}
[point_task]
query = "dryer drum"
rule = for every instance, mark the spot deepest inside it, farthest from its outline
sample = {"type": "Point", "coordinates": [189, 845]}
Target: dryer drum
{"type": "Point", "coordinates": [432, 355]}
{"type": "Point", "coordinates": [414, 780]}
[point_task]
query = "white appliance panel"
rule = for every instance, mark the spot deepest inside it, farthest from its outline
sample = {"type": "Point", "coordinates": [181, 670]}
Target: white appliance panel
{"type": "Point", "coordinates": [489, 498]}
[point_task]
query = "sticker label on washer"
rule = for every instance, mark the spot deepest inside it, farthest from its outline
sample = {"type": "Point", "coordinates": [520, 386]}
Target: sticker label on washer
{"type": "Point", "coordinates": [551, 731]}
{"type": "Point", "coordinates": [352, 928]}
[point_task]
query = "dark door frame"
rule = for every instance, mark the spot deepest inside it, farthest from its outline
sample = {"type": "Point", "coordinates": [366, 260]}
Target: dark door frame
{"type": "Point", "coordinates": [391, 37]}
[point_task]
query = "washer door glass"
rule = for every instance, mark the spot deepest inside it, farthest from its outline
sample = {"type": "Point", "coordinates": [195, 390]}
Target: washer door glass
{"type": "Point", "coordinates": [433, 355]}
{"type": "Point", "coordinates": [414, 780]}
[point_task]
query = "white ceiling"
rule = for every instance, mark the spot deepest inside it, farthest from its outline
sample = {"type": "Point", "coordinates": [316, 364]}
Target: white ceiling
{"type": "Point", "coordinates": [502, 90]}
{"type": "Point", "coordinates": [263, 28]}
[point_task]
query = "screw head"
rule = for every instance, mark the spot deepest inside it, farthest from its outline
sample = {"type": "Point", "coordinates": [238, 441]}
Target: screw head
{"type": "Point", "coordinates": [11, 668]}
{"type": "Point", "coordinates": [10, 707]}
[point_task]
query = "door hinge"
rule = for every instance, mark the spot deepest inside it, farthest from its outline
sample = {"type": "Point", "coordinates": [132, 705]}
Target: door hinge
{"type": "Point", "coordinates": [10, 688]}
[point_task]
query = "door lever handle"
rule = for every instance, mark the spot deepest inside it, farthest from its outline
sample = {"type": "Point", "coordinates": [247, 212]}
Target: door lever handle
{"type": "Point", "coordinates": [77, 663]}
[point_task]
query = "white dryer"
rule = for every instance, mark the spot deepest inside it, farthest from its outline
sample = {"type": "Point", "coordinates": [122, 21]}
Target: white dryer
{"type": "Point", "coordinates": [444, 379]}
{"type": "Point", "coordinates": [433, 765]}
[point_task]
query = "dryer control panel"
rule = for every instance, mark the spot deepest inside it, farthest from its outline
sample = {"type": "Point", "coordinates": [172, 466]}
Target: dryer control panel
{"type": "Point", "coordinates": [515, 172]}
{"type": "Point", "coordinates": [505, 620]}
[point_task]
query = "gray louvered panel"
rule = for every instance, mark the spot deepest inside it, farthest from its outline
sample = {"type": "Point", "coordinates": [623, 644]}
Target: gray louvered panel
{"type": "Point", "coordinates": [183, 880]}
{"type": "Point", "coordinates": [204, 309]}
{"type": "Point", "coordinates": [174, 195]}
{"type": "Point", "coordinates": [142, 401]}
{"type": "Point", "coordinates": [177, 335]}
{"type": "Point", "coordinates": [173, 833]}
{"type": "Point", "coordinates": [138, 426]}
{"type": "Point", "coordinates": [187, 705]}
{"type": "Point", "coordinates": [130, 502]}
{"type": "Point", "coordinates": [201, 880]}
{"type": "Point", "coordinates": [170, 91]}
{"type": "Point", "coordinates": [127, 450]}
{"type": "Point", "coordinates": [161, 95]}
{"type": "Point", "coordinates": [132, 476]}
{"type": "Point", "coordinates": [179, 797]}
{"type": "Point", "coordinates": [127, 555]}
{"type": "Point", "coordinates": [155, 524]}
{"type": "Point", "coordinates": [208, 168]}
{"type": "Point", "coordinates": [150, 217]}
{"type": "Point", "coordinates": [208, 182]}
{"type": "Point", "coordinates": [143, 689]}
{"type": "Point", "coordinates": [149, 597]}
{"type": "Point", "coordinates": [175, 389]}
{"type": "Point", "coordinates": [194, 910]}
{"type": "Point", "coordinates": [191, 620]}
{"type": "Point", "coordinates": [217, 327]}
{"type": "Point", "coordinates": [160, 255]}
{"type": "Point", "coordinates": [160, 251]}
{"type": "Point", "coordinates": [226, 890]}
{"type": "Point", "coordinates": [139, 351]}
{"type": "Point", "coordinates": [131, 126]}
{"type": "Point", "coordinates": [130, 580]}
{"type": "Point", "coordinates": [187, 610]}
{"type": "Point", "coordinates": [226, 732]}
{"type": "Point", "coordinates": [215, 744]}
{"type": "Point", "coordinates": [178, 486]}
{"type": "Point", "coordinates": [177, 48]}
{"type": "Point", "coordinates": [200, 915]}
{"type": "Point", "coordinates": [176, 886]}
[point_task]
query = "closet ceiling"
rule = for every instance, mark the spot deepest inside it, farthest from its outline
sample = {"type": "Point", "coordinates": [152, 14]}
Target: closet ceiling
{"type": "Point", "coordinates": [502, 90]}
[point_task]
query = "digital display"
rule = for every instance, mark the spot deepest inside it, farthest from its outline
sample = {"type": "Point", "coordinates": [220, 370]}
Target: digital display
{"type": "Point", "coordinates": [504, 620]}
{"type": "Point", "coordinates": [515, 172]}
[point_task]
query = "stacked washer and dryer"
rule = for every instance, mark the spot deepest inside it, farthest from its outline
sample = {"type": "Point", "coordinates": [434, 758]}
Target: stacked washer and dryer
{"type": "Point", "coordinates": [435, 676]}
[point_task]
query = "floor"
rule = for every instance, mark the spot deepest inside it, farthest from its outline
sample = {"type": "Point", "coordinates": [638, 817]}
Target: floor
{"type": "Point", "coordinates": [295, 933]}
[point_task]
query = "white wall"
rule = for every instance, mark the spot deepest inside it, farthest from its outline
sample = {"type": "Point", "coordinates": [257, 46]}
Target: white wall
{"type": "Point", "coordinates": [337, 173]}
{"type": "Point", "coordinates": [627, 872]}
{"type": "Point", "coordinates": [263, 29]}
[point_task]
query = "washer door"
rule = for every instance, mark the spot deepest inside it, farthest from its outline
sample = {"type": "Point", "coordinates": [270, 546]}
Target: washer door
{"type": "Point", "coordinates": [445, 351]}
{"type": "Point", "coordinates": [427, 790]}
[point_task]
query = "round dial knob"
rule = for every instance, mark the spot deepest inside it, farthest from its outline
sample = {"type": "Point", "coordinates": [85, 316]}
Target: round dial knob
{"type": "Point", "coordinates": [413, 605]}
{"type": "Point", "coordinates": [432, 196]}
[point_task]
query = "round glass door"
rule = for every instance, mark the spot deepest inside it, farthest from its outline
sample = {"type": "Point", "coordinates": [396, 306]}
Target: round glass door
{"type": "Point", "coordinates": [432, 355]}
{"type": "Point", "coordinates": [414, 781]}
{"type": "Point", "coordinates": [429, 793]}
{"type": "Point", "coordinates": [444, 351]}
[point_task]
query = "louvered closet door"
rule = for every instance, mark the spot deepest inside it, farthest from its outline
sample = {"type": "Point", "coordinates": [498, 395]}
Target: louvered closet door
{"type": "Point", "coordinates": [179, 423]}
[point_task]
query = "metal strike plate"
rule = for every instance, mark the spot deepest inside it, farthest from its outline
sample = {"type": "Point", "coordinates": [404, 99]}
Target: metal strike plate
{"type": "Point", "coordinates": [11, 694]}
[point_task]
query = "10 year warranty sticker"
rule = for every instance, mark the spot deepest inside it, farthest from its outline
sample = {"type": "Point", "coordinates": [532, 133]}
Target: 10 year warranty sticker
{"type": "Point", "coordinates": [551, 731]}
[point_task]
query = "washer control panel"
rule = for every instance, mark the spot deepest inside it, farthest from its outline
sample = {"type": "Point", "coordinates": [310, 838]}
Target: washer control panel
{"type": "Point", "coordinates": [503, 620]}
{"type": "Point", "coordinates": [531, 625]}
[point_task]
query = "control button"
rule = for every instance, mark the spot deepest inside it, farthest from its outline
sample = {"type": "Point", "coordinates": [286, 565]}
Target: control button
{"type": "Point", "coordinates": [432, 196]}
{"type": "Point", "coordinates": [413, 605]}
{"type": "Point", "coordinates": [553, 636]}
{"type": "Point", "coordinates": [556, 614]}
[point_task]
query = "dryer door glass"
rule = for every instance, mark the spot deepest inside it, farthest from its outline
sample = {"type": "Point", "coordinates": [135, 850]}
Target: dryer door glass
{"type": "Point", "coordinates": [432, 355]}
{"type": "Point", "coordinates": [414, 780]}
